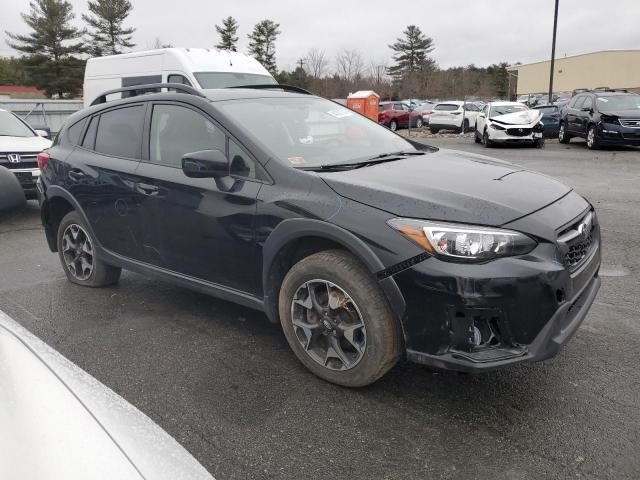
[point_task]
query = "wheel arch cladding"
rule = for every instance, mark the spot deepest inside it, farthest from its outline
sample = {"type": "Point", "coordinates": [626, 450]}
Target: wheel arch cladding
{"type": "Point", "coordinates": [60, 202]}
{"type": "Point", "coordinates": [295, 239]}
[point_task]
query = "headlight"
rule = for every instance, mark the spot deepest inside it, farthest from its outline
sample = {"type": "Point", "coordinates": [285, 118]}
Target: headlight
{"type": "Point", "coordinates": [495, 126]}
{"type": "Point", "coordinates": [463, 243]}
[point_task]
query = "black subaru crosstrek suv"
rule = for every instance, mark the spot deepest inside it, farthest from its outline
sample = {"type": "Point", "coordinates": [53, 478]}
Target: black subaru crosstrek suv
{"type": "Point", "coordinates": [602, 118]}
{"type": "Point", "coordinates": [362, 245]}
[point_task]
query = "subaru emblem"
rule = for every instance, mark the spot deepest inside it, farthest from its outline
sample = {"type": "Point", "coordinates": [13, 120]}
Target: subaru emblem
{"type": "Point", "coordinates": [14, 158]}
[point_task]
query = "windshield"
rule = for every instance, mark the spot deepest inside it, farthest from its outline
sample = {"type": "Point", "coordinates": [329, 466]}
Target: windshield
{"type": "Point", "coordinates": [504, 109]}
{"type": "Point", "coordinates": [232, 79]}
{"type": "Point", "coordinates": [309, 131]}
{"type": "Point", "coordinates": [618, 102]}
{"type": "Point", "coordinates": [12, 126]}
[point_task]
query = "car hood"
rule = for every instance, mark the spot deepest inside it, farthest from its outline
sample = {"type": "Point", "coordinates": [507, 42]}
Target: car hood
{"type": "Point", "coordinates": [525, 117]}
{"type": "Point", "coordinates": [23, 144]}
{"type": "Point", "coordinates": [56, 421]}
{"type": "Point", "coordinates": [624, 113]}
{"type": "Point", "coordinates": [449, 186]}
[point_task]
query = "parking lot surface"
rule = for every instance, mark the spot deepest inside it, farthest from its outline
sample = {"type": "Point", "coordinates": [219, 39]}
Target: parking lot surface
{"type": "Point", "coordinates": [222, 381]}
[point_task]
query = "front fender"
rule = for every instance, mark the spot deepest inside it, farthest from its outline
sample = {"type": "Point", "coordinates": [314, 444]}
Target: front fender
{"type": "Point", "coordinates": [295, 228]}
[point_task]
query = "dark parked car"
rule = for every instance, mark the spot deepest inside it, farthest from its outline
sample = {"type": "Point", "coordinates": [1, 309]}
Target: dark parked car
{"type": "Point", "coordinates": [603, 118]}
{"type": "Point", "coordinates": [363, 246]}
{"type": "Point", "coordinates": [550, 119]}
{"type": "Point", "coordinates": [394, 115]}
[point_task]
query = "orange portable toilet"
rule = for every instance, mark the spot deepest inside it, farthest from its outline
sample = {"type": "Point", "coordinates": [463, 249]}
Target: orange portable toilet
{"type": "Point", "coordinates": [365, 102]}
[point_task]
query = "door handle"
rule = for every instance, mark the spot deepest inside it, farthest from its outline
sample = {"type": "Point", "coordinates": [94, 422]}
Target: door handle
{"type": "Point", "coordinates": [147, 189]}
{"type": "Point", "coordinates": [76, 175]}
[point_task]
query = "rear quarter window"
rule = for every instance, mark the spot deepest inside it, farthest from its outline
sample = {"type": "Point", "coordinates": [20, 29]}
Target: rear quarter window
{"type": "Point", "coordinates": [74, 131]}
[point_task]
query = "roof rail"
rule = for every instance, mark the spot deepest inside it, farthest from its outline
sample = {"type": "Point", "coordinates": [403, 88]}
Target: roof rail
{"type": "Point", "coordinates": [277, 86]}
{"type": "Point", "coordinates": [148, 88]}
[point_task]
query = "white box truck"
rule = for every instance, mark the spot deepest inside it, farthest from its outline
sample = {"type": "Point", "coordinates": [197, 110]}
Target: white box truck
{"type": "Point", "coordinates": [198, 67]}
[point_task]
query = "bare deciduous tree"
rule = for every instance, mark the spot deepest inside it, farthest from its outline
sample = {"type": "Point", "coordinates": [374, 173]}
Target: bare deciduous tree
{"type": "Point", "coordinates": [349, 65]}
{"type": "Point", "coordinates": [316, 63]}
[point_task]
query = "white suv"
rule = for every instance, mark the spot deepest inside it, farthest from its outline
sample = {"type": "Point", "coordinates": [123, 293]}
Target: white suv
{"type": "Point", "coordinates": [454, 115]}
{"type": "Point", "coordinates": [19, 149]}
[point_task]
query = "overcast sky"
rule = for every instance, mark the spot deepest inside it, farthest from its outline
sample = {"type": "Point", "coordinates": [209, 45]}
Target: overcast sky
{"type": "Point", "coordinates": [481, 32]}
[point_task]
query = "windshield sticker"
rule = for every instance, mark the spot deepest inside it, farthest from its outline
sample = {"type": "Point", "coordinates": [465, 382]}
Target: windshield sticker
{"type": "Point", "coordinates": [296, 160]}
{"type": "Point", "coordinates": [340, 113]}
{"type": "Point", "coordinates": [602, 99]}
{"type": "Point", "coordinates": [308, 140]}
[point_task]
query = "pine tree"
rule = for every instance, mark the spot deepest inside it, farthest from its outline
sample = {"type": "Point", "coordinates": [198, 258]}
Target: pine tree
{"type": "Point", "coordinates": [262, 44]}
{"type": "Point", "coordinates": [228, 37]}
{"type": "Point", "coordinates": [411, 53]}
{"type": "Point", "coordinates": [50, 48]}
{"type": "Point", "coordinates": [107, 35]}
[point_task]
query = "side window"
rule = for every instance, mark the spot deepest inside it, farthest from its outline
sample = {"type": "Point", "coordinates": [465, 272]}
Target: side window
{"type": "Point", "coordinates": [120, 132]}
{"type": "Point", "coordinates": [74, 131]}
{"type": "Point", "coordinates": [90, 136]}
{"type": "Point", "coordinates": [397, 106]}
{"type": "Point", "coordinates": [177, 130]}
{"type": "Point", "coordinates": [579, 103]}
{"type": "Point", "coordinates": [572, 102]}
{"type": "Point", "coordinates": [176, 78]}
{"type": "Point", "coordinates": [241, 164]}
{"type": "Point", "coordinates": [588, 103]}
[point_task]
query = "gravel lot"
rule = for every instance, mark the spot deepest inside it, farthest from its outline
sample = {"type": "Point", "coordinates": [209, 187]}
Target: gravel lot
{"type": "Point", "coordinates": [221, 379]}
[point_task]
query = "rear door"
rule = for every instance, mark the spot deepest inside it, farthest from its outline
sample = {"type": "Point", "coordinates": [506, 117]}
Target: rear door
{"type": "Point", "coordinates": [100, 175]}
{"type": "Point", "coordinates": [199, 227]}
{"type": "Point", "coordinates": [585, 115]}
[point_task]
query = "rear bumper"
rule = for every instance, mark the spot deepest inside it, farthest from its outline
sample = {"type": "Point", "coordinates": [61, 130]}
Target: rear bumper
{"type": "Point", "coordinates": [524, 309]}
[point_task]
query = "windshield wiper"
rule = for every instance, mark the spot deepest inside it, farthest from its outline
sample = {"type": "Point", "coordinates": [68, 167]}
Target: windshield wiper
{"type": "Point", "coordinates": [382, 158]}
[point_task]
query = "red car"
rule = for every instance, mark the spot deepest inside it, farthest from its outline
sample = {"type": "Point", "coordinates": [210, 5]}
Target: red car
{"type": "Point", "coordinates": [394, 115]}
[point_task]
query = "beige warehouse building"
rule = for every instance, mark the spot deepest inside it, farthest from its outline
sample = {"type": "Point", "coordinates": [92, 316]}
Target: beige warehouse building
{"type": "Point", "coordinates": [609, 68]}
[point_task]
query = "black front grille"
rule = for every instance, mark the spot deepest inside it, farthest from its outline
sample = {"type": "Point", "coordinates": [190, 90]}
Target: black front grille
{"type": "Point", "coordinates": [27, 160]}
{"type": "Point", "coordinates": [578, 250]}
{"type": "Point", "coordinates": [519, 132]}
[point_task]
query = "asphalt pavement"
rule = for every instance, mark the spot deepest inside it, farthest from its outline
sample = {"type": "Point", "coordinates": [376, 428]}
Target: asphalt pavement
{"type": "Point", "coordinates": [222, 381]}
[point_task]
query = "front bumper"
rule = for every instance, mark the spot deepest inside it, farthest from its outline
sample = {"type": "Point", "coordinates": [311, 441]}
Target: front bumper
{"type": "Point", "coordinates": [615, 134]}
{"type": "Point", "coordinates": [27, 178]}
{"type": "Point", "coordinates": [525, 308]}
{"type": "Point", "coordinates": [502, 136]}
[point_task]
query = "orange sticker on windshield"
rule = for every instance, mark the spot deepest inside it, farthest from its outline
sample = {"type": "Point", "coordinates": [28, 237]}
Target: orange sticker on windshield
{"type": "Point", "coordinates": [296, 160]}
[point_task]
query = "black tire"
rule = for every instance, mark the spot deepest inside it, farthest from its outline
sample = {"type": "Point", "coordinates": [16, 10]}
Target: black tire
{"type": "Point", "coordinates": [485, 139]}
{"type": "Point", "coordinates": [419, 123]}
{"type": "Point", "coordinates": [100, 274]}
{"type": "Point", "coordinates": [465, 126]}
{"type": "Point", "coordinates": [476, 137]}
{"type": "Point", "coordinates": [393, 125]}
{"type": "Point", "coordinates": [382, 343]}
{"type": "Point", "coordinates": [434, 130]}
{"type": "Point", "coordinates": [539, 143]}
{"type": "Point", "coordinates": [563, 136]}
{"type": "Point", "coordinates": [593, 141]}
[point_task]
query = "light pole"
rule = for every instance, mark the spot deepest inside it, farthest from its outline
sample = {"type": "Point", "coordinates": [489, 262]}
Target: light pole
{"type": "Point", "coordinates": [553, 51]}
{"type": "Point", "coordinates": [509, 87]}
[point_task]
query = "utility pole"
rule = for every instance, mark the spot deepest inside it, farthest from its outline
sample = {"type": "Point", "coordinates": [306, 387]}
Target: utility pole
{"type": "Point", "coordinates": [553, 52]}
{"type": "Point", "coordinates": [302, 63]}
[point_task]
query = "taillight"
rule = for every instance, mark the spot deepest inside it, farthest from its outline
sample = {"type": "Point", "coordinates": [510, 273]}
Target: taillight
{"type": "Point", "coordinates": [43, 159]}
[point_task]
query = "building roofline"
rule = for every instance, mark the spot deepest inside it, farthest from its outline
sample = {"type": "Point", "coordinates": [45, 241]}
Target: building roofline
{"type": "Point", "coordinates": [516, 67]}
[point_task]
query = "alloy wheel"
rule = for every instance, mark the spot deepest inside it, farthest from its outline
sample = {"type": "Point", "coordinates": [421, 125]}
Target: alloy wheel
{"type": "Point", "coordinates": [591, 137]}
{"type": "Point", "coordinates": [77, 251]}
{"type": "Point", "coordinates": [561, 133]}
{"type": "Point", "coordinates": [393, 126]}
{"type": "Point", "coordinates": [419, 123]}
{"type": "Point", "coordinates": [328, 324]}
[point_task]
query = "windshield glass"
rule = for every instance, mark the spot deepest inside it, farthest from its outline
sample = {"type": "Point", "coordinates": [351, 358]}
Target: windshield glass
{"type": "Point", "coordinates": [309, 131]}
{"type": "Point", "coordinates": [11, 126]}
{"type": "Point", "coordinates": [232, 79]}
{"type": "Point", "coordinates": [618, 102]}
{"type": "Point", "coordinates": [504, 109]}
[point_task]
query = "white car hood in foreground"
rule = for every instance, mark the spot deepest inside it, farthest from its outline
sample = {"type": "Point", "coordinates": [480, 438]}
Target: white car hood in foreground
{"type": "Point", "coordinates": [526, 117]}
{"type": "Point", "coordinates": [23, 144]}
{"type": "Point", "coordinates": [58, 422]}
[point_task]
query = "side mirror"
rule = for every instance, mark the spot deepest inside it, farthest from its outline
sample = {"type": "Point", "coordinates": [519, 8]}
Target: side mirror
{"type": "Point", "coordinates": [587, 109]}
{"type": "Point", "coordinates": [481, 115]}
{"type": "Point", "coordinates": [42, 133]}
{"type": "Point", "coordinates": [205, 164]}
